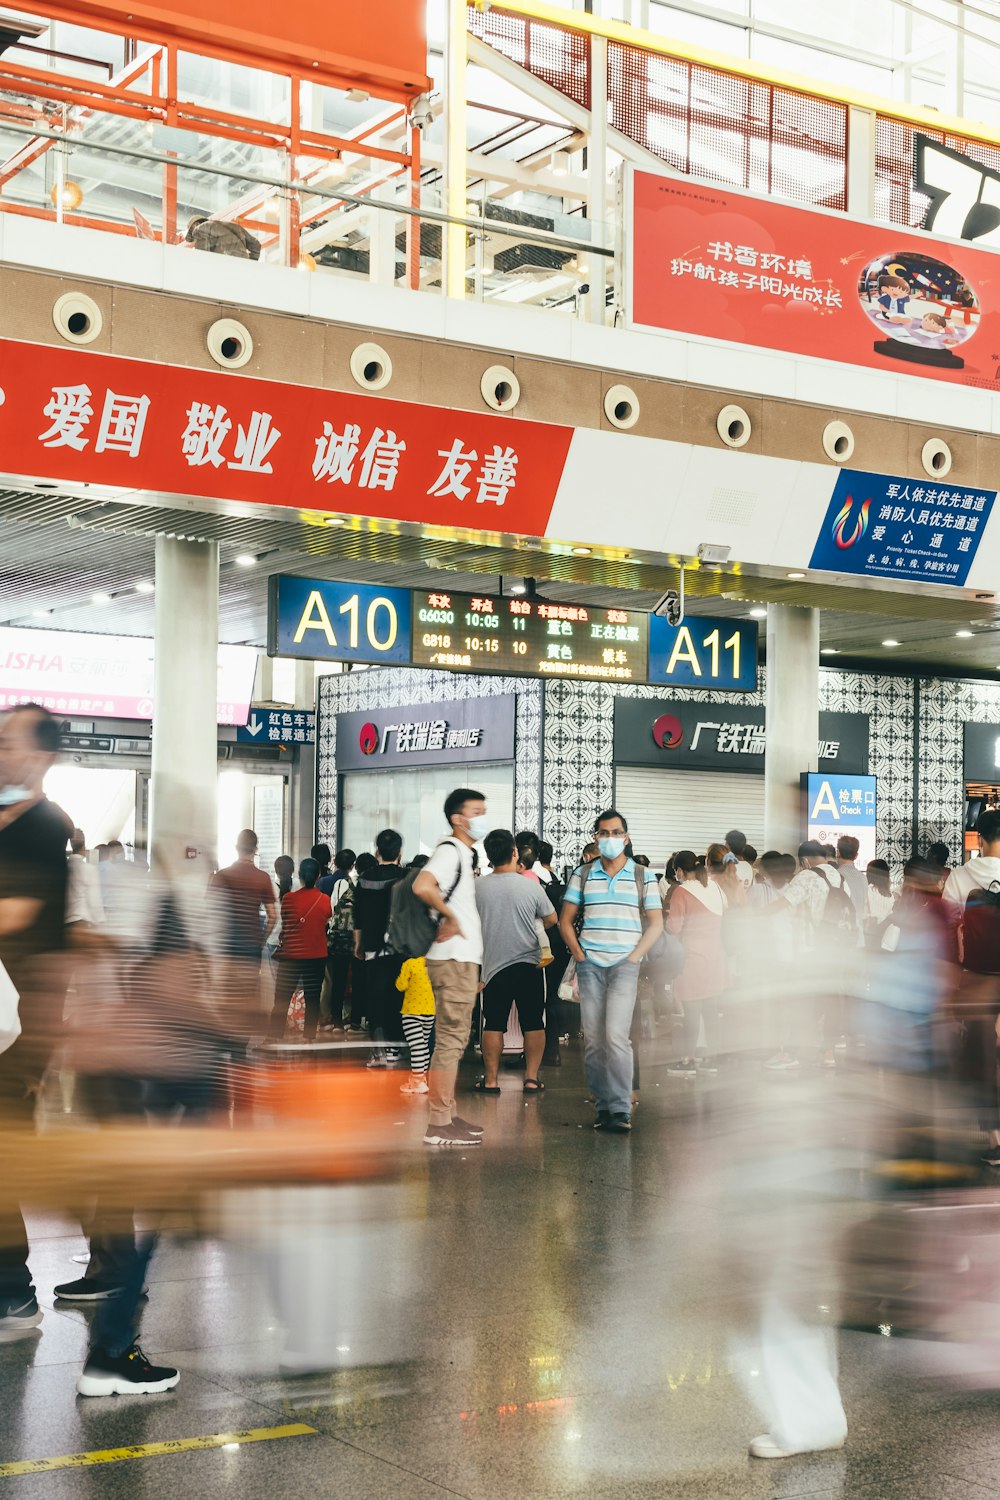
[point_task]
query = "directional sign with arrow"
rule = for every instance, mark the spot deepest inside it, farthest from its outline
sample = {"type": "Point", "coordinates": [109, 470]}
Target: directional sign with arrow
{"type": "Point", "coordinates": [278, 726]}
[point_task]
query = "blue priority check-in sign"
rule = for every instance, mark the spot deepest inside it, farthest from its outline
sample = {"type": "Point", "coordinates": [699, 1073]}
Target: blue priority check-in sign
{"type": "Point", "coordinates": [885, 527]}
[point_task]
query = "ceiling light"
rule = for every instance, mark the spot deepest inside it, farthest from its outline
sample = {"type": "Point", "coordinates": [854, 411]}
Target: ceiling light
{"type": "Point", "coordinates": [759, 613]}
{"type": "Point", "coordinates": [101, 597]}
{"type": "Point", "coordinates": [69, 195]}
{"type": "Point", "coordinates": [335, 521]}
{"type": "Point", "coordinates": [795, 575]}
{"type": "Point", "coordinates": [245, 560]}
{"type": "Point", "coordinates": [144, 586]}
{"type": "Point", "coordinates": [581, 551]}
{"type": "Point", "coordinates": [41, 614]}
{"type": "Point", "coordinates": [890, 642]}
{"type": "Point", "coordinates": [964, 635]}
{"type": "Point", "coordinates": [827, 650]}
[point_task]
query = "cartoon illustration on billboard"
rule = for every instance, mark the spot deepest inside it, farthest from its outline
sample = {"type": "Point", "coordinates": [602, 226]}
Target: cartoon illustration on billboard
{"type": "Point", "coordinates": [923, 308]}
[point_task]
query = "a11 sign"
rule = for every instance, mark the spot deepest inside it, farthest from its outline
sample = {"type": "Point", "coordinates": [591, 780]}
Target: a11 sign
{"type": "Point", "coordinates": [704, 652]}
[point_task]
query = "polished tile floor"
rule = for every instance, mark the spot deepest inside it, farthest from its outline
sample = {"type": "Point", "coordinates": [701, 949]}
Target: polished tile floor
{"type": "Point", "coordinates": [548, 1316]}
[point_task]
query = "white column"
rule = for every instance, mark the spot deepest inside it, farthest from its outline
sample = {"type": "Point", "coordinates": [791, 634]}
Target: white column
{"type": "Point", "coordinates": [455, 146]}
{"type": "Point", "coordinates": [597, 173]}
{"type": "Point", "coordinates": [861, 163]}
{"type": "Point", "coordinates": [184, 812]}
{"type": "Point", "coordinates": [792, 720]}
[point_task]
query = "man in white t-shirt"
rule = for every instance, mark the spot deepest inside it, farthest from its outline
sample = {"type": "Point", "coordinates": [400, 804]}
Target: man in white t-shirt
{"type": "Point", "coordinates": [447, 884]}
{"type": "Point", "coordinates": [736, 843]}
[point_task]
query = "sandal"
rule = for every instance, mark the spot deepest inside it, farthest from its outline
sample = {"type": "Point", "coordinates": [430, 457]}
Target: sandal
{"type": "Point", "coordinates": [482, 1087]}
{"type": "Point", "coordinates": [532, 1086]}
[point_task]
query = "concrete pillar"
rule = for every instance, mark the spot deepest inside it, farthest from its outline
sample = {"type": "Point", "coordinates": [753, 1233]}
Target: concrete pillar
{"type": "Point", "coordinates": [184, 811]}
{"type": "Point", "coordinates": [792, 720]}
{"type": "Point", "coordinates": [597, 174]}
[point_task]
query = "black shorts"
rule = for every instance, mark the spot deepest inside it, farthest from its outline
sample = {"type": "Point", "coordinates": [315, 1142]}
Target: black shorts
{"type": "Point", "coordinates": [522, 985]}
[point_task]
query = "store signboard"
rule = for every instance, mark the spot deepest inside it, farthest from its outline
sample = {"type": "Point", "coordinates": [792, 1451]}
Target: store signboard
{"type": "Point", "coordinates": [839, 805]}
{"type": "Point", "coordinates": [982, 753]}
{"type": "Point", "coordinates": [99, 419]}
{"type": "Point", "coordinates": [718, 264]}
{"type": "Point", "coordinates": [882, 526]}
{"type": "Point", "coordinates": [685, 736]}
{"type": "Point", "coordinates": [704, 652]}
{"type": "Point", "coordinates": [466, 731]}
{"type": "Point", "coordinates": [105, 676]}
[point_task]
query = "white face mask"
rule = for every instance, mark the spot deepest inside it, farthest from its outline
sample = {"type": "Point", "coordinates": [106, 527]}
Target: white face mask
{"type": "Point", "coordinates": [610, 847]}
{"type": "Point", "coordinates": [9, 795]}
{"type": "Point", "coordinates": [479, 826]}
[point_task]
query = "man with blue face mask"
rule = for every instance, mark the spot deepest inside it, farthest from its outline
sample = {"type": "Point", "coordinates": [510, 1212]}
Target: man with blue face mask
{"type": "Point", "coordinates": [447, 884]}
{"type": "Point", "coordinates": [622, 919]}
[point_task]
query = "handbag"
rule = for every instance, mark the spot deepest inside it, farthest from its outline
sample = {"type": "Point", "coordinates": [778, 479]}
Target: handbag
{"type": "Point", "coordinates": [10, 1021]}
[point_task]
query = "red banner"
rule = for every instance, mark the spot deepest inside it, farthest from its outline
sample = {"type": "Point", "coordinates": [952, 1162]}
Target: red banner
{"type": "Point", "coordinates": [67, 414]}
{"type": "Point", "coordinates": [723, 265]}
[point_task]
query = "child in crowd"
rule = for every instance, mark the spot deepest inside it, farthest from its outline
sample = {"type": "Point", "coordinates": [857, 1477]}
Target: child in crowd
{"type": "Point", "coordinates": [418, 1021]}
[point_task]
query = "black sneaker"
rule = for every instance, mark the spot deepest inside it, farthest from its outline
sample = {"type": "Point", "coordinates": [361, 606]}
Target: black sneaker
{"type": "Point", "coordinates": [619, 1124]}
{"type": "Point", "coordinates": [17, 1318]}
{"type": "Point", "coordinates": [603, 1119]}
{"type": "Point", "coordinates": [467, 1125]}
{"type": "Point", "coordinates": [85, 1290]}
{"type": "Point", "coordinates": [124, 1374]}
{"type": "Point", "coordinates": [451, 1135]}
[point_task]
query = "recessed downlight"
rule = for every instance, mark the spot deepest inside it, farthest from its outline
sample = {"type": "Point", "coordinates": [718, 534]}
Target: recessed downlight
{"type": "Point", "coordinates": [41, 614]}
{"type": "Point", "coordinates": [758, 613]}
{"type": "Point", "coordinates": [795, 576]}
{"type": "Point", "coordinates": [827, 650]}
{"type": "Point", "coordinates": [335, 521]}
{"type": "Point", "coordinates": [101, 597]}
{"type": "Point", "coordinates": [964, 635]}
{"type": "Point", "coordinates": [890, 642]}
{"type": "Point", "coordinates": [581, 551]}
{"type": "Point", "coordinates": [245, 560]}
{"type": "Point", "coordinates": [144, 586]}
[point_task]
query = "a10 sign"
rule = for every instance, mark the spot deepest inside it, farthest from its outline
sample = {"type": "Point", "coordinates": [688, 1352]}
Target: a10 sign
{"type": "Point", "coordinates": [313, 619]}
{"type": "Point", "coordinates": [704, 652]}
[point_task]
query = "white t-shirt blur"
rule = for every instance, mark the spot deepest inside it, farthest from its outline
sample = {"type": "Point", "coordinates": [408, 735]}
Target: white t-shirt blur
{"type": "Point", "coordinates": [450, 856]}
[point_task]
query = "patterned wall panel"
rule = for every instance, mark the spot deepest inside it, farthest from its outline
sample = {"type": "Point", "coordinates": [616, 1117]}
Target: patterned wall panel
{"type": "Point", "coordinates": [390, 687]}
{"type": "Point", "coordinates": [945, 708]}
{"type": "Point", "coordinates": [579, 726]}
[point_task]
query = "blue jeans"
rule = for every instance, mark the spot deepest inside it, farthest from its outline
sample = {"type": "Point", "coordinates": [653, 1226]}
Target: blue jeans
{"type": "Point", "coordinates": [607, 1002]}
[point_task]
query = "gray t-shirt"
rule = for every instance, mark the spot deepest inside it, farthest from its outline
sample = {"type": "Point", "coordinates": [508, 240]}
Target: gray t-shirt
{"type": "Point", "coordinates": [509, 906]}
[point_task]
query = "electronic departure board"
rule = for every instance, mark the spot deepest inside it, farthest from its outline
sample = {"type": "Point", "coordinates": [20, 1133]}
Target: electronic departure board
{"type": "Point", "coordinates": [321, 619]}
{"type": "Point", "coordinates": [493, 633]}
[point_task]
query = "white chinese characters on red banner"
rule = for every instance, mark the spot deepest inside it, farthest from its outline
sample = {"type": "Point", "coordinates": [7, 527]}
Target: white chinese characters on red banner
{"type": "Point", "coordinates": [71, 414]}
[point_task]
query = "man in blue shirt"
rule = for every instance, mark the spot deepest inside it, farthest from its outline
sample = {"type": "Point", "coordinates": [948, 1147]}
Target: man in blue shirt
{"type": "Point", "coordinates": [622, 919]}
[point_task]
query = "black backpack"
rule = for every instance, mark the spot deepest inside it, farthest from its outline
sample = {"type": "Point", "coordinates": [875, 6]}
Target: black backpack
{"type": "Point", "coordinates": [340, 923]}
{"type": "Point", "coordinates": [838, 926]}
{"type": "Point", "coordinates": [413, 925]}
{"type": "Point", "coordinates": [979, 930]}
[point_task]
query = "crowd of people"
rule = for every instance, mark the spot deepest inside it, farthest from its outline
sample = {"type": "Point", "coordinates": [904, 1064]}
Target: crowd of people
{"type": "Point", "coordinates": [733, 959]}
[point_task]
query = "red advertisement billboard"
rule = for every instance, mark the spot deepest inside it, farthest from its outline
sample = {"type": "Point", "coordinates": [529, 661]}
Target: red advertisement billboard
{"type": "Point", "coordinates": [723, 265]}
{"type": "Point", "coordinates": [69, 414]}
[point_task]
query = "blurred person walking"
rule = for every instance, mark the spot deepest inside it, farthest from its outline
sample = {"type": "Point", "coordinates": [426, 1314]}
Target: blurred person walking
{"type": "Point", "coordinates": [372, 903]}
{"type": "Point", "coordinates": [510, 910]}
{"type": "Point", "coordinates": [622, 919]}
{"type": "Point", "coordinates": [34, 878]}
{"type": "Point", "coordinates": [246, 914]}
{"type": "Point", "coordinates": [84, 907]}
{"type": "Point", "coordinates": [696, 913]}
{"type": "Point", "coordinates": [301, 952]}
{"type": "Point", "coordinates": [972, 892]}
{"type": "Point", "coordinates": [856, 881]}
{"type": "Point", "coordinates": [826, 931]}
{"type": "Point", "coordinates": [447, 885]}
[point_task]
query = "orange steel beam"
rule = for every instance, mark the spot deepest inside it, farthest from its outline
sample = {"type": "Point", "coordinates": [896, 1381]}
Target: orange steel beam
{"type": "Point", "coordinates": [412, 224]}
{"type": "Point", "coordinates": [168, 228]}
{"type": "Point", "coordinates": [81, 220]}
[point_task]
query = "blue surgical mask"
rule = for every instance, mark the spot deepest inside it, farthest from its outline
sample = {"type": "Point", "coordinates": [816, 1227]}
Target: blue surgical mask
{"type": "Point", "coordinates": [9, 795]}
{"type": "Point", "coordinates": [610, 848]}
{"type": "Point", "coordinates": [479, 827]}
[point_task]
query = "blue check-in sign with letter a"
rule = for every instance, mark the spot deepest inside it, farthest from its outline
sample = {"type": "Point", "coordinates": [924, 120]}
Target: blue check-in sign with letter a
{"type": "Point", "coordinates": [916, 531]}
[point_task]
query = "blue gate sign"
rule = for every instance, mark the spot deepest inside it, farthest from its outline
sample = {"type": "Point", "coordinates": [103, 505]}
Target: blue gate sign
{"type": "Point", "coordinates": [704, 652]}
{"type": "Point", "coordinates": [323, 621]}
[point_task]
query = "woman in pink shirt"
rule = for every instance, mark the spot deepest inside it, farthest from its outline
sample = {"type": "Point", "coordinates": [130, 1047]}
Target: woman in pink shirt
{"type": "Point", "coordinates": [302, 951]}
{"type": "Point", "coordinates": [695, 917]}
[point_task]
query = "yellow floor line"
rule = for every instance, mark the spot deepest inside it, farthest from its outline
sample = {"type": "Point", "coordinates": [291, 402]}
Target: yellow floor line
{"type": "Point", "coordinates": [154, 1450]}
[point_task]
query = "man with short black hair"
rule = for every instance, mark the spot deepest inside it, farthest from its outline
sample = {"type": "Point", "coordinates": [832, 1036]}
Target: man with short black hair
{"type": "Point", "coordinates": [622, 919]}
{"type": "Point", "coordinates": [736, 843]}
{"type": "Point", "coordinates": [372, 901]}
{"type": "Point", "coordinates": [447, 884]}
{"type": "Point", "coordinates": [246, 908]}
{"type": "Point", "coordinates": [856, 881]}
{"type": "Point", "coordinates": [509, 908]}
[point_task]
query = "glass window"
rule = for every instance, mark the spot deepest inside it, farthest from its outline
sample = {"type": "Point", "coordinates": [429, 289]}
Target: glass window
{"type": "Point", "coordinates": [412, 802]}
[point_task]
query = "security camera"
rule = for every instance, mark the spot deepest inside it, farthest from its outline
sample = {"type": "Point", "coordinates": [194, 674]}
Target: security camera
{"type": "Point", "coordinates": [671, 606]}
{"type": "Point", "coordinates": [422, 112]}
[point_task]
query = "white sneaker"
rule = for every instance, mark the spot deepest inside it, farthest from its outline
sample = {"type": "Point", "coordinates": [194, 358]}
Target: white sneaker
{"type": "Point", "coordinates": [766, 1447]}
{"type": "Point", "coordinates": [414, 1086]}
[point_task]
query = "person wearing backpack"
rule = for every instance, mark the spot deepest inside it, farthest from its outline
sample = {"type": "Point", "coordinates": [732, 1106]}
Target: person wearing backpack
{"type": "Point", "coordinates": [447, 886]}
{"type": "Point", "coordinates": [622, 920]}
{"type": "Point", "coordinates": [372, 902]}
{"type": "Point", "coordinates": [826, 930]}
{"type": "Point", "coordinates": [972, 894]}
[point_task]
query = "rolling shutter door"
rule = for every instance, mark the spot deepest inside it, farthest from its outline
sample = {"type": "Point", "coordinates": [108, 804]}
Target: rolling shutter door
{"type": "Point", "coordinates": [671, 810]}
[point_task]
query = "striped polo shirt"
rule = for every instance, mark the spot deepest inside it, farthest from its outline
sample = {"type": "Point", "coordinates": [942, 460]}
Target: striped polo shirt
{"type": "Point", "coordinates": [612, 919]}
